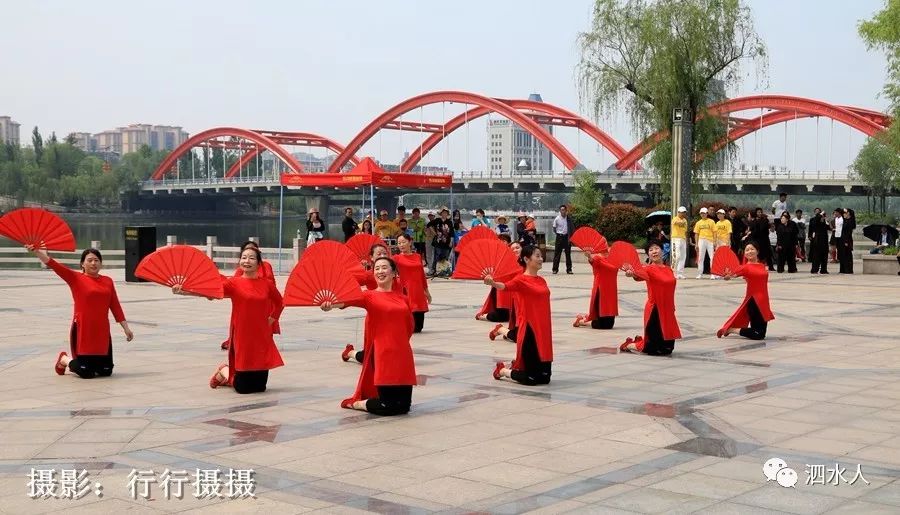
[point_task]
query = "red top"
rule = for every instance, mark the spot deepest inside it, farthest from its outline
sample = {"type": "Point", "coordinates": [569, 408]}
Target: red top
{"type": "Point", "coordinates": [660, 295]}
{"type": "Point", "coordinates": [264, 272]}
{"type": "Point", "coordinates": [414, 282]}
{"type": "Point", "coordinates": [388, 357]}
{"type": "Point", "coordinates": [757, 277]}
{"type": "Point", "coordinates": [532, 312]}
{"type": "Point", "coordinates": [605, 291]}
{"type": "Point", "coordinates": [253, 301]}
{"type": "Point", "coordinates": [94, 298]}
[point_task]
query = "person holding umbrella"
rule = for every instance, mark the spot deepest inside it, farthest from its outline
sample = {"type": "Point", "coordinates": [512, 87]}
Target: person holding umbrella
{"type": "Point", "coordinates": [883, 235]}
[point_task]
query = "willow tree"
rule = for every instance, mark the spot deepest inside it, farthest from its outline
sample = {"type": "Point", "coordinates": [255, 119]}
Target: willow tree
{"type": "Point", "coordinates": [882, 32]}
{"type": "Point", "coordinates": [651, 57]}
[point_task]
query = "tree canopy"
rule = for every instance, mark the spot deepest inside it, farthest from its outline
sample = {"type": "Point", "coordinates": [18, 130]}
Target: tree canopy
{"type": "Point", "coordinates": [653, 56]}
{"type": "Point", "coordinates": [882, 32]}
{"type": "Point", "coordinates": [878, 165]}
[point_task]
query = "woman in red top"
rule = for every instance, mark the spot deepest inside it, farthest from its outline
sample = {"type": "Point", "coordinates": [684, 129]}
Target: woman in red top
{"type": "Point", "coordinates": [415, 284]}
{"type": "Point", "coordinates": [534, 345]}
{"type": "Point", "coordinates": [498, 303]}
{"type": "Point", "coordinates": [256, 305]}
{"type": "Point", "coordinates": [754, 311]}
{"type": "Point", "coordinates": [510, 332]}
{"type": "Point", "coordinates": [604, 294]}
{"type": "Point", "coordinates": [265, 272]}
{"type": "Point", "coordinates": [660, 326]}
{"type": "Point", "coordinates": [367, 280]}
{"type": "Point", "coordinates": [94, 296]}
{"type": "Point", "coordinates": [388, 372]}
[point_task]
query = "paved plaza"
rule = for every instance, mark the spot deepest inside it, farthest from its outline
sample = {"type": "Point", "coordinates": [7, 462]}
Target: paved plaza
{"type": "Point", "coordinates": [612, 433]}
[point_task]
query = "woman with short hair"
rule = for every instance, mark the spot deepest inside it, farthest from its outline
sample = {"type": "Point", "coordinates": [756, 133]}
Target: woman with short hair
{"type": "Point", "coordinates": [752, 317]}
{"type": "Point", "coordinates": [660, 325]}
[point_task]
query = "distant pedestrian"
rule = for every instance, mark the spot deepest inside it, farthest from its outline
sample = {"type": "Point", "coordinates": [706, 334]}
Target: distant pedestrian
{"type": "Point", "coordinates": [705, 236]}
{"type": "Point", "coordinates": [417, 226]}
{"type": "Point", "coordinates": [348, 226]}
{"type": "Point", "coordinates": [563, 227]}
{"type": "Point", "coordinates": [480, 219]}
{"type": "Point", "coordinates": [501, 227]}
{"type": "Point", "coordinates": [780, 205]}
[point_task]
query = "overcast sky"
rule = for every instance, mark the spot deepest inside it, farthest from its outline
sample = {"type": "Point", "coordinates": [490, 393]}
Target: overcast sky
{"type": "Point", "coordinates": [330, 67]}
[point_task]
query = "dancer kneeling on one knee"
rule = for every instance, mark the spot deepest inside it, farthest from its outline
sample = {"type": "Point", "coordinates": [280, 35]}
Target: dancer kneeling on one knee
{"type": "Point", "coordinates": [752, 317]}
{"type": "Point", "coordinates": [604, 305]}
{"type": "Point", "coordinates": [534, 342]}
{"type": "Point", "coordinates": [388, 372]}
{"type": "Point", "coordinates": [256, 305]}
{"type": "Point", "coordinates": [660, 325]}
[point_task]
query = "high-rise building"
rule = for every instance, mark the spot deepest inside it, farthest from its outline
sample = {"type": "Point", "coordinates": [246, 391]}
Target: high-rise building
{"type": "Point", "coordinates": [124, 140]}
{"type": "Point", "coordinates": [510, 147]}
{"type": "Point", "coordinates": [9, 131]}
{"type": "Point", "coordinates": [85, 141]}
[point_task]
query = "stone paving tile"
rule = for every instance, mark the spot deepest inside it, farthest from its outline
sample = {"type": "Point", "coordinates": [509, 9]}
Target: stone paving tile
{"type": "Point", "coordinates": [611, 434]}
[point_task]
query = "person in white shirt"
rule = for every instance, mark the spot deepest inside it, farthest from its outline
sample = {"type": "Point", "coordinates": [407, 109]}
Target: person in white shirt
{"type": "Point", "coordinates": [780, 205]}
{"type": "Point", "coordinates": [562, 226]}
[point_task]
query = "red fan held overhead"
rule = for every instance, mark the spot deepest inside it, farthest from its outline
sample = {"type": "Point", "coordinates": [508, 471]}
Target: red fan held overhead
{"type": "Point", "coordinates": [477, 233]}
{"type": "Point", "coordinates": [486, 257]}
{"type": "Point", "coordinates": [325, 273]}
{"type": "Point", "coordinates": [184, 265]}
{"type": "Point", "coordinates": [589, 240]}
{"type": "Point", "coordinates": [724, 262]}
{"type": "Point", "coordinates": [38, 227]}
{"type": "Point", "coordinates": [622, 252]}
{"type": "Point", "coordinates": [361, 244]}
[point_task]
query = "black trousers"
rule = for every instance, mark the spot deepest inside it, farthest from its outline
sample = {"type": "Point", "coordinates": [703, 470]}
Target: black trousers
{"type": "Point", "coordinates": [787, 255]}
{"type": "Point", "coordinates": [391, 400]}
{"type": "Point", "coordinates": [818, 256]}
{"type": "Point", "coordinates": [89, 366]}
{"type": "Point", "coordinates": [602, 322]}
{"type": "Point", "coordinates": [562, 245]}
{"type": "Point", "coordinates": [250, 381]}
{"type": "Point", "coordinates": [758, 326]}
{"type": "Point", "coordinates": [360, 356]}
{"type": "Point", "coordinates": [654, 344]}
{"type": "Point", "coordinates": [418, 321]}
{"type": "Point", "coordinates": [534, 371]}
{"type": "Point", "coordinates": [845, 255]}
{"type": "Point", "coordinates": [513, 334]}
{"type": "Point", "coordinates": [498, 315]}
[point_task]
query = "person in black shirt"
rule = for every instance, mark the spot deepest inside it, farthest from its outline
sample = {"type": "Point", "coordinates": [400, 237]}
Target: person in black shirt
{"type": "Point", "coordinates": [442, 228]}
{"type": "Point", "coordinates": [738, 228]}
{"type": "Point", "coordinates": [818, 243]}
{"type": "Point", "coordinates": [759, 232]}
{"type": "Point", "coordinates": [787, 243]}
{"type": "Point", "coordinates": [348, 225]}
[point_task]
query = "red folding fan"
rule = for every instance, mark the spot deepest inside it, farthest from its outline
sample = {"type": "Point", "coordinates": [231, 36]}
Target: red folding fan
{"type": "Point", "coordinates": [486, 257]}
{"type": "Point", "coordinates": [325, 272]}
{"type": "Point", "coordinates": [184, 265]}
{"type": "Point", "coordinates": [361, 244]}
{"type": "Point", "coordinates": [38, 227]}
{"type": "Point", "coordinates": [724, 262]}
{"type": "Point", "coordinates": [621, 252]}
{"type": "Point", "coordinates": [588, 239]}
{"type": "Point", "coordinates": [480, 232]}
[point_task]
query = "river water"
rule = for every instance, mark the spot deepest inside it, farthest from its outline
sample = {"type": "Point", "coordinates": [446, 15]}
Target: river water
{"type": "Point", "coordinates": [109, 229]}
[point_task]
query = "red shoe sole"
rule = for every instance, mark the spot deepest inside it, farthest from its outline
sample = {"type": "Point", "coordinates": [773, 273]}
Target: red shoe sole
{"type": "Point", "coordinates": [214, 381]}
{"type": "Point", "coordinates": [495, 332]}
{"type": "Point", "coordinates": [58, 367]}
{"type": "Point", "coordinates": [497, 370]}
{"type": "Point", "coordinates": [346, 354]}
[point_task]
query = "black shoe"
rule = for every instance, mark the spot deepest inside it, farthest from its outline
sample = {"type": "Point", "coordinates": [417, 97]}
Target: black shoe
{"type": "Point", "coordinates": [569, 272]}
{"type": "Point", "coordinates": [555, 272]}
{"type": "Point", "coordinates": [825, 273]}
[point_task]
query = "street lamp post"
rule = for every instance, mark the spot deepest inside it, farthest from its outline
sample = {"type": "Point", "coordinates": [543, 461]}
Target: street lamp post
{"type": "Point", "coordinates": [681, 159]}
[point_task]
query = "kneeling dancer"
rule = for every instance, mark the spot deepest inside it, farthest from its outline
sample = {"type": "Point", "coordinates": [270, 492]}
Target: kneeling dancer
{"type": "Point", "coordinates": [752, 317]}
{"type": "Point", "coordinates": [660, 326]}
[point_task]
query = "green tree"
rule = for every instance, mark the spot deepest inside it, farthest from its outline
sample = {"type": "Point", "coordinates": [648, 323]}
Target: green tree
{"type": "Point", "coordinates": [585, 199]}
{"type": "Point", "coordinates": [878, 165]}
{"type": "Point", "coordinates": [37, 142]}
{"type": "Point", "coordinates": [882, 32]}
{"type": "Point", "coordinates": [652, 57]}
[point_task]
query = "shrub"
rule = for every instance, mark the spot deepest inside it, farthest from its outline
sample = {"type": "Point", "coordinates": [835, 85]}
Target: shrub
{"type": "Point", "coordinates": [618, 221]}
{"type": "Point", "coordinates": [890, 251]}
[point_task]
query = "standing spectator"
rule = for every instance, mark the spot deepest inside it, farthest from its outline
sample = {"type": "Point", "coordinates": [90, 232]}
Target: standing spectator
{"type": "Point", "coordinates": [417, 226]}
{"type": "Point", "coordinates": [520, 226]}
{"type": "Point", "coordinates": [704, 235]}
{"type": "Point", "coordinates": [738, 230]}
{"type": "Point", "coordinates": [679, 241]}
{"type": "Point", "coordinates": [401, 214]}
{"type": "Point", "coordinates": [723, 229]}
{"type": "Point", "coordinates": [760, 233]}
{"type": "Point", "coordinates": [480, 219]}
{"type": "Point", "coordinates": [459, 229]}
{"type": "Point", "coordinates": [818, 243]}
{"type": "Point", "coordinates": [366, 227]}
{"type": "Point", "coordinates": [385, 228]}
{"type": "Point", "coordinates": [349, 224]}
{"type": "Point", "coordinates": [501, 227]}
{"type": "Point", "coordinates": [315, 227]}
{"type": "Point", "coordinates": [442, 228]}
{"type": "Point", "coordinates": [801, 231]}
{"type": "Point", "coordinates": [773, 242]}
{"type": "Point", "coordinates": [403, 228]}
{"type": "Point", "coordinates": [780, 205]}
{"type": "Point", "coordinates": [837, 229]}
{"type": "Point", "coordinates": [562, 226]}
{"type": "Point", "coordinates": [786, 243]}
{"type": "Point", "coordinates": [530, 237]}
{"type": "Point", "coordinates": [846, 241]}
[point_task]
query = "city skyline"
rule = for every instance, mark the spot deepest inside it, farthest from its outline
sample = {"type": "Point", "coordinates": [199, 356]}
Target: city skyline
{"type": "Point", "coordinates": [357, 69]}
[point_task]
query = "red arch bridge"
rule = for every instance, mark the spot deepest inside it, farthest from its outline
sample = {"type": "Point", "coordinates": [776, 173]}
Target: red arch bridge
{"type": "Point", "coordinates": [230, 161]}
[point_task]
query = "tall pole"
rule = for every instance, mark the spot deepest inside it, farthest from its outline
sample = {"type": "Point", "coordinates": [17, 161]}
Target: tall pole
{"type": "Point", "coordinates": [280, 221]}
{"type": "Point", "coordinates": [682, 127]}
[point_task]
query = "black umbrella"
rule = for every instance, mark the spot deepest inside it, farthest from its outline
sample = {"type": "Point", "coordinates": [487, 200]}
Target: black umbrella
{"type": "Point", "coordinates": [873, 232]}
{"type": "Point", "coordinates": [660, 216]}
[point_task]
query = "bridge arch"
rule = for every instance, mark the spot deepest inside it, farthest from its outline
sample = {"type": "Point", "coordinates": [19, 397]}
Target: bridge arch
{"type": "Point", "coordinates": [491, 104]}
{"type": "Point", "coordinates": [569, 119]}
{"type": "Point", "coordinates": [786, 107]}
{"type": "Point", "coordinates": [200, 137]}
{"type": "Point", "coordinates": [295, 138]}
